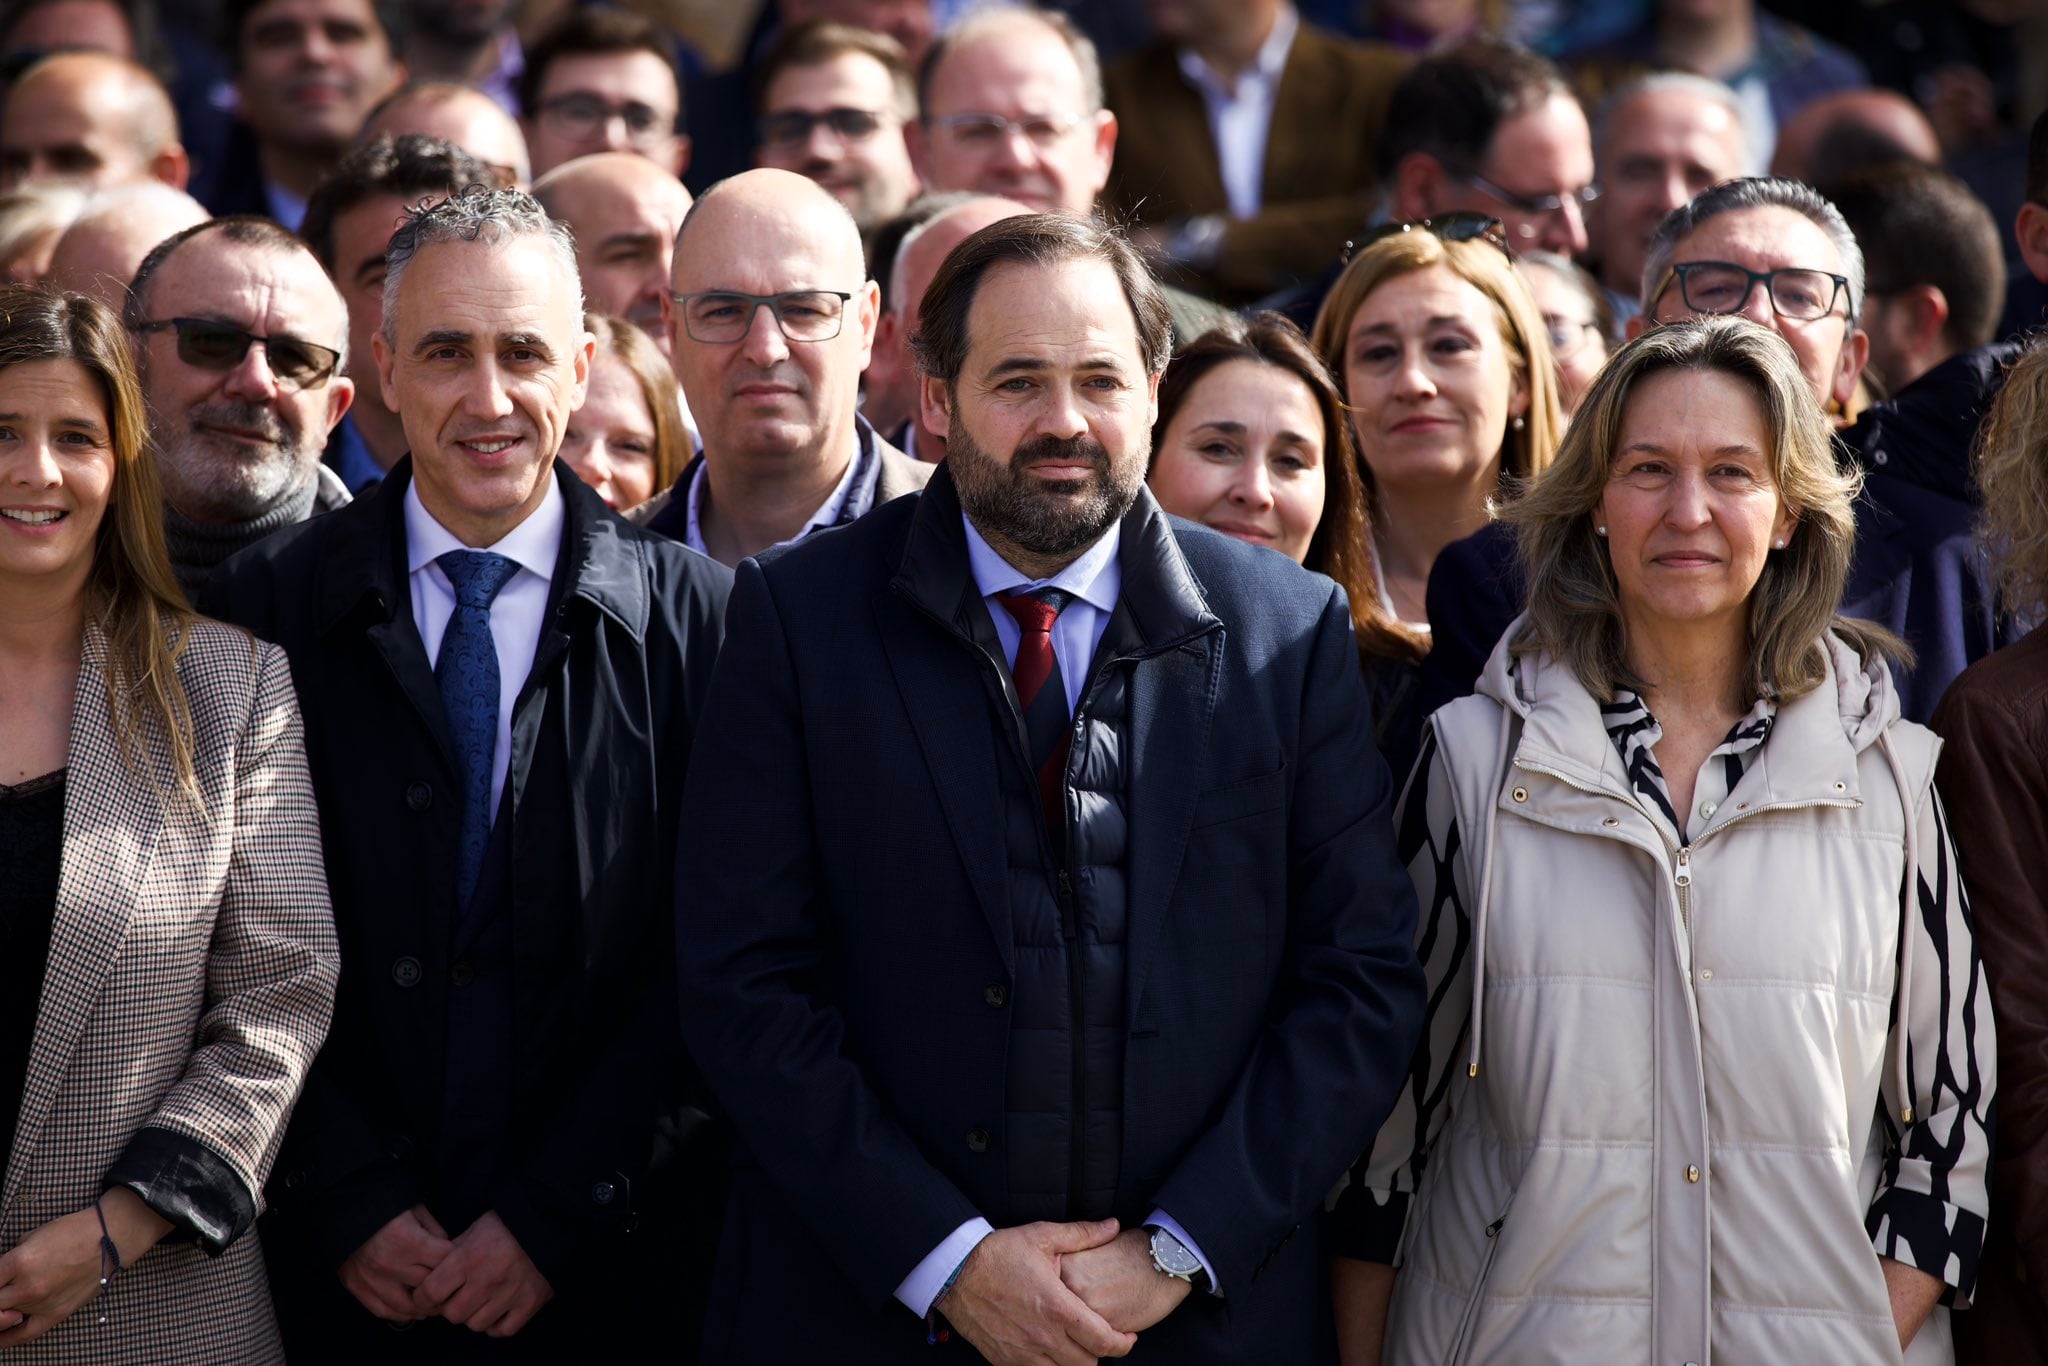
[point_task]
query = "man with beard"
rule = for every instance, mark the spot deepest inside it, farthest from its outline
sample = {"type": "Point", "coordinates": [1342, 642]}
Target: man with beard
{"type": "Point", "coordinates": [771, 323]}
{"type": "Point", "coordinates": [466, 42]}
{"type": "Point", "coordinates": [1043, 932]}
{"type": "Point", "coordinates": [241, 339]}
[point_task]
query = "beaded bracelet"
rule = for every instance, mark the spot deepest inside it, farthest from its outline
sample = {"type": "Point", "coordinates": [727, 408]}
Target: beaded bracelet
{"type": "Point", "coordinates": [110, 1256]}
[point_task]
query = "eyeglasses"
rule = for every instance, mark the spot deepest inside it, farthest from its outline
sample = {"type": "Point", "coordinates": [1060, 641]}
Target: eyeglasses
{"type": "Point", "coordinates": [720, 317]}
{"type": "Point", "coordinates": [214, 345]}
{"type": "Point", "coordinates": [1533, 206]}
{"type": "Point", "coordinates": [1451, 227]}
{"type": "Point", "coordinates": [792, 128]}
{"type": "Point", "coordinates": [580, 117]}
{"type": "Point", "coordinates": [983, 131]}
{"type": "Point", "coordinates": [1724, 287]}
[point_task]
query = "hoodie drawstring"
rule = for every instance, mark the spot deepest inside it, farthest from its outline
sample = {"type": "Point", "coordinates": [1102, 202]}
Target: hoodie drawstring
{"type": "Point", "coordinates": [1909, 903]}
{"type": "Point", "coordinates": [1486, 896]}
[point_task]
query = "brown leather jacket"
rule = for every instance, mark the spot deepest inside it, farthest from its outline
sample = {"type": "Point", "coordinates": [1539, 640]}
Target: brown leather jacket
{"type": "Point", "coordinates": [1993, 777]}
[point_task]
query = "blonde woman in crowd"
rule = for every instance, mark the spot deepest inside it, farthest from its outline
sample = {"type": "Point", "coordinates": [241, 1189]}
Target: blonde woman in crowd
{"type": "Point", "coordinates": [1444, 362]}
{"type": "Point", "coordinates": [627, 440]}
{"type": "Point", "coordinates": [1709, 1066]}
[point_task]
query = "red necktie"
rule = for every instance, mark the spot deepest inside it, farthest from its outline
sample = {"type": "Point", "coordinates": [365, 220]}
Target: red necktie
{"type": "Point", "coordinates": [1042, 694]}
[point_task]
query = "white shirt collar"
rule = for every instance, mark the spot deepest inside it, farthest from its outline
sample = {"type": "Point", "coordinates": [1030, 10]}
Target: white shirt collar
{"type": "Point", "coordinates": [1266, 66]}
{"type": "Point", "coordinates": [827, 515]}
{"type": "Point", "coordinates": [534, 545]}
{"type": "Point", "coordinates": [1095, 577]}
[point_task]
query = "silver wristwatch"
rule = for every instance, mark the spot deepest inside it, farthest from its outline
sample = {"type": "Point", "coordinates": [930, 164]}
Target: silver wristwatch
{"type": "Point", "coordinates": [1171, 1257]}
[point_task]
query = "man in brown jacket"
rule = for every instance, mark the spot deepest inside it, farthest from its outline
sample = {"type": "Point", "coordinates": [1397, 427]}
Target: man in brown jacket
{"type": "Point", "coordinates": [1247, 142]}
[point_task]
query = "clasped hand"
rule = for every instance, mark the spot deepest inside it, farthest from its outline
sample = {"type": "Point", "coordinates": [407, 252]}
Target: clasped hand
{"type": "Point", "coordinates": [1066, 1293]}
{"type": "Point", "coordinates": [411, 1269]}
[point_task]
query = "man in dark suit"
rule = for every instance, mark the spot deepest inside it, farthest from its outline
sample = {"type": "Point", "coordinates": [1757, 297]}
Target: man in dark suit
{"type": "Point", "coordinates": [1247, 141]}
{"type": "Point", "coordinates": [500, 681]}
{"type": "Point", "coordinates": [1044, 934]}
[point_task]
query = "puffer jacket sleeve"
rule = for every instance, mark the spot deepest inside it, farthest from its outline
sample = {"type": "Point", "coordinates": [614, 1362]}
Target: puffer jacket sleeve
{"type": "Point", "coordinates": [1368, 1211]}
{"type": "Point", "coordinates": [1930, 1208]}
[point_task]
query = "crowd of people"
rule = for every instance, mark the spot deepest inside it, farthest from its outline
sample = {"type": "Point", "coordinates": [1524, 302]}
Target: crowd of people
{"type": "Point", "coordinates": [1221, 681]}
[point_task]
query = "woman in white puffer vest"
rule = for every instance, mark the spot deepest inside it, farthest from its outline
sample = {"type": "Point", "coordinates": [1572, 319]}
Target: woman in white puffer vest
{"type": "Point", "coordinates": [1710, 1061]}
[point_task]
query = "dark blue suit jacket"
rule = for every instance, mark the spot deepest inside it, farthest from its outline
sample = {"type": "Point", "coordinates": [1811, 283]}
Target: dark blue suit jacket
{"type": "Point", "coordinates": [844, 914]}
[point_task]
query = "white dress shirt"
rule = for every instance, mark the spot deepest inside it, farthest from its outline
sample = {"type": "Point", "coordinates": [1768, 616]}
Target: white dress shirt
{"type": "Point", "coordinates": [1094, 579]}
{"type": "Point", "coordinates": [516, 613]}
{"type": "Point", "coordinates": [1241, 111]}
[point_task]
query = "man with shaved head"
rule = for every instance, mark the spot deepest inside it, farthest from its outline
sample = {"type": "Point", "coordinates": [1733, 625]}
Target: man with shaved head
{"type": "Point", "coordinates": [917, 261]}
{"type": "Point", "coordinates": [624, 211]}
{"type": "Point", "coordinates": [773, 320]}
{"type": "Point", "coordinates": [91, 118]}
{"type": "Point", "coordinates": [463, 117]}
{"type": "Point", "coordinates": [100, 252]}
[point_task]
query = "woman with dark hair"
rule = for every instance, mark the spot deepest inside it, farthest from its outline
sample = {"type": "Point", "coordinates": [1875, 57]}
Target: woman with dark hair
{"type": "Point", "coordinates": [167, 955]}
{"type": "Point", "coordinates": [1708, 1069]}
{"type": "Point", "coordinates": [1251, 440]}
{"type": "Point", "coordinates": [627, 440]}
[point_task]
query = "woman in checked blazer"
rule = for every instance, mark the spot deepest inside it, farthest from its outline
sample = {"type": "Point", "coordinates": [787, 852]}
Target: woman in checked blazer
{"type": "Point", "coordinates": [167, 954]}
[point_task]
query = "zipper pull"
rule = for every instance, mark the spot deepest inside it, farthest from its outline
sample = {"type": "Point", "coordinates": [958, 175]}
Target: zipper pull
{"type": "Point", "coordinates": [1685, 866]}
{"type": "Point", "coordinates": [1067, 926]}
{"type": "Point", "coordinates": [1493, 1229]}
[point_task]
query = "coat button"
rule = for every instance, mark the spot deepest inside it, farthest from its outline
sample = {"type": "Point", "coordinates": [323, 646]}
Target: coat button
{"type": "Point", "coordinates": [1692, 1174]}
{"type": "Point", "coordinates": [406, 971]}
{"type": "Point", "coordinates": [602, 1193]}
{"type": "Point", "coordinates": [1707, 810]}
{"type": "Point", "coordinates": [996, 994]}
{"type": "Point", "coordinates": [977, 1140]}
{"type": "Point", "coordinates": [1520, 794]}
{"type": "Point", "coordinates": [419, 796]}
{"type": "Point", "coordinates": [295, 1180]}
{"type": "Point", "coordinates": [462, 974]}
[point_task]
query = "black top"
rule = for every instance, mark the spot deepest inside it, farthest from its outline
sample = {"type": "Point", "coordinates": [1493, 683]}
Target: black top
{"type": "Point", "coordinates": [31, 853]}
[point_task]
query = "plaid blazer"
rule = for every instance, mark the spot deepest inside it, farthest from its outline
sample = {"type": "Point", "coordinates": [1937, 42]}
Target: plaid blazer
{"type": "Point", "coordinates": [190, 981]}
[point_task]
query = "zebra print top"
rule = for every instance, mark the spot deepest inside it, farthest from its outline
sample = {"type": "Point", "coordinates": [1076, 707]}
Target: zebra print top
{"type": "Point", "coordinates": [1635, 733]}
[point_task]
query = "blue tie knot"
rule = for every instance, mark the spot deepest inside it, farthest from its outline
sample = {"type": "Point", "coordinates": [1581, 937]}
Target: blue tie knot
{"type": "Point", "coordinates": [476, 575]}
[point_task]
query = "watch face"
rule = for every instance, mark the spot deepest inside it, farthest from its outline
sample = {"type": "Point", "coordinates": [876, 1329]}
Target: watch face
{"type": "Point", "coordinates": [1172, 1256]}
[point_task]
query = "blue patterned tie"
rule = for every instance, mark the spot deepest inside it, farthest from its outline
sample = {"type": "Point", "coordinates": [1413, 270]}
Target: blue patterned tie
{"type": "Point", "coordinates": [468, 674]}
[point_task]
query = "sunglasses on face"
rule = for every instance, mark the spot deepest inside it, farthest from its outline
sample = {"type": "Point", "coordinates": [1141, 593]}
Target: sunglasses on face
{"type": "Point", "coordinates": [1451, 227]}
{"type": "Point", "coordinates": [213, 345]}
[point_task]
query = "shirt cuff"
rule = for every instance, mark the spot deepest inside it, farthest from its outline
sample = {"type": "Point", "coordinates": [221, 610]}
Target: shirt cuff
{"type": "Point", "coordinates": [1929, 1234]}
{"type": "Point", "coordinates": [1162, 1219]}
{"type": "Point", "coordinates": [928, 1277]}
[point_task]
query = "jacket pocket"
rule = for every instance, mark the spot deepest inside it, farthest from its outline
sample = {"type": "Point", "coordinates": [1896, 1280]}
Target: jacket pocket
{"type": "Point", "coordinates": [1468, 1322]}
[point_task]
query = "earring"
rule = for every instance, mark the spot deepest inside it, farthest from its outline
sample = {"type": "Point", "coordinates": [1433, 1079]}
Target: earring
{"type": "Point", "coordinates": [1518, 424]}
{"type": "Point", "coordinates": [1600, 530]}
{"type": "Point", "coordinates": [1778, 544]}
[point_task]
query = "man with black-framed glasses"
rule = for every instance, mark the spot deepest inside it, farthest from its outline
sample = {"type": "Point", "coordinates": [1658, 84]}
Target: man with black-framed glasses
{"type": "Point", "coordinates": [772, 321]}
{"type": "Point", "coordinates": [834, 103]}
{"type": "Point", "coordinates": [241, 337]}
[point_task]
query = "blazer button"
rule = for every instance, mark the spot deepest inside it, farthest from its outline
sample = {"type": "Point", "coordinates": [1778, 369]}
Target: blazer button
{"type": "Point", "coordinates": [996, 994]}
{"type": "Point", "coordinates": [406, 971]}
{"type": "Point", "coordinates": [418, 796]}
{"type": "Point", "coordinates": [295, 1180]}
{"type": "Point", "coordinates": [977, 1140]}
{"type": "Point", "coordinates": [602, 1193]}
{"type": "Point", "coordinates": [462, 974]}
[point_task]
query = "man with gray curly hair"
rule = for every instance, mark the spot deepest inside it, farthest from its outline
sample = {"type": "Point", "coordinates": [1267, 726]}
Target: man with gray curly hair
{"type": "Point", "coordinates": [490, 664]}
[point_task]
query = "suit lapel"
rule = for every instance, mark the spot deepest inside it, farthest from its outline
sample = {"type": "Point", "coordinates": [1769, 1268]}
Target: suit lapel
{"type": "Point", "coordinates": [113, 819]}
{"type": "Point", "coordinates": [1173, 700]}
{"type": "Point", "coordinates": [1301, 112]}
